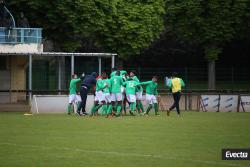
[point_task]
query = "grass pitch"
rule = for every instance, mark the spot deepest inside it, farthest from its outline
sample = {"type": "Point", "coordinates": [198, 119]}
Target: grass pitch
{"type": "Point", "coordinates": [195, 139]}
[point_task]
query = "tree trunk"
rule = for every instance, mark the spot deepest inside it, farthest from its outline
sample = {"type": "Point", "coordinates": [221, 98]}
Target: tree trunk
{"type": "Point", "coordinates": [211, 74]}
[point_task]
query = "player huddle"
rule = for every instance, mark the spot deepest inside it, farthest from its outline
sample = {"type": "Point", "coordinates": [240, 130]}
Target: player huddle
{"type": "Point", "coordinates": [111, 94]}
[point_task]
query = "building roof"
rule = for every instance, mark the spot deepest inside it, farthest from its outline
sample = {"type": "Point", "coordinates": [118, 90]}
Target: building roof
{"type": "Point", "coordinates": [59, 54]}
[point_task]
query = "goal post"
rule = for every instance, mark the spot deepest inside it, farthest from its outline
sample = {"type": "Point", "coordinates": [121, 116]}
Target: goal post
{"type": "Point", "coordinates": [59, 103]}
{"type": "Point", "coordinates": [55, 103]}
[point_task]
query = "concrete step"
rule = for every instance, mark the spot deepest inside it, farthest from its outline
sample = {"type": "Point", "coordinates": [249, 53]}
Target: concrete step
{"type": "Point", "coordinates": [14, 107]}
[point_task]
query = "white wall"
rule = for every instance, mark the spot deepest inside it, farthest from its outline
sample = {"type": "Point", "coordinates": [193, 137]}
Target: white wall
{"type": "Point", "coordinates": [21, 48]}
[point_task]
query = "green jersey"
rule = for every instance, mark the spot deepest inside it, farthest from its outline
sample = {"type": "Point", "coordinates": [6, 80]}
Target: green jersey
{"type": "Point", "coordinates": [151, 87]}
{"type": "Point", "coordinates": [116, 82]}
{"type": "Point", "coordinates": [100, 85]}
{"type": "Point", "coordinates": [139, 87]}
{"type": "Point", "coordinates": [106, 89]}
{"type": "Point", "coordinates": [131, 87]}
{"type": "Point", "coordinates": [112, 74]}
{"type": "Point", "coordinates": [72, 86]}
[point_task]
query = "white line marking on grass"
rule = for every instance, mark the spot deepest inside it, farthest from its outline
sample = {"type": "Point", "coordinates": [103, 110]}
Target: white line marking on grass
{"type": "Point", "coordinates": [125, 154]}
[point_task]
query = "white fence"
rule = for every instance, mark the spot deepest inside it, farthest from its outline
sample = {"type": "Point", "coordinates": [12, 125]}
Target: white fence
{"type": "Point", "coordinates": [224, 103]}
{"type": "Point", "coordinates": [207, 103]}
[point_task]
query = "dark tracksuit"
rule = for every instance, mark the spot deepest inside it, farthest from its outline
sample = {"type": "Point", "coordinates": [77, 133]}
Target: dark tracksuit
{"type": "Point", "coordinates": [176, 96]}
{"type": "Point", "coordinates": [87, 82]}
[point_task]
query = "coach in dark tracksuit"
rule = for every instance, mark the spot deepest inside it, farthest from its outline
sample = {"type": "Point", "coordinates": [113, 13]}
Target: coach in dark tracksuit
{"type": "Point", "coordinates": [87, 82]}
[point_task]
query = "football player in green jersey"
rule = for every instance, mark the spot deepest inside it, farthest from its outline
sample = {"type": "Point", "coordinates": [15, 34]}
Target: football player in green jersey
{"type": "Point", "coordinates": [106, 91]}
{"type": "Point", "coordinates": [116, 83]}
{"type": "Point", "coordinates": [130, 94]}
{"type": "Point", "coordinates": [123, 74]}
{"type": "Point", "coordinates": [73, 97]}
{"type": "Point", "coordinates": [99, 95]}
{"type": "Point", "coordinates": [139, 91]}
{"type": "Point", "coordinates": [151, 93]}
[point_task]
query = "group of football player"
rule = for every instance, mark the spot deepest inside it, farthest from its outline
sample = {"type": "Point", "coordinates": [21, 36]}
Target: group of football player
{"type": "Point", "coordinates": [112, 94]}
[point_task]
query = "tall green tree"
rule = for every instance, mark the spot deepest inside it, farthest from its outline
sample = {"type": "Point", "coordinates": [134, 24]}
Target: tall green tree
{"type": "Point", "coordinates": [132, 26]}
{"type": "Point", "coordinates": [208, 23]}
{"type": "Point", "coordinates": [122, 26]}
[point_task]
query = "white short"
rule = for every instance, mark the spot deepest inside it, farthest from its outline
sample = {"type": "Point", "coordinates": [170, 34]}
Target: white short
{"type": "Point", "coordinates": [74, 98]}
{"type": "Point", "coordinates": [123, 92]}
{"type": "Point", "coordinates": [131, 98]}
{"type": "Point", "coordinates": [99, 96]}
{"type": "Point", "coordinates": [78, 97]}
{"type": "Point", "coordinates": [138, 95]}
{"type": "Point", "coordinates": [107, 97]}
{"type": "Point", "coordinates": [116, 96]}
{"type": "Point", "coordinates": [151, 99]}
{"type": "Point", "coordinates": [122, 89]}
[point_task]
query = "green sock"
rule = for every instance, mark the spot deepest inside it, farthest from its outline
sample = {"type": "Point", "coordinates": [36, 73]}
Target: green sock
{"type": "Point", "coordinates": [141, 106]}
{"type": "Point", "coordinates": [149, 108]}
{"type": "Point", "coordinates": [115, 107]}
{"type": "Point", "coordinates": [109, 111]}
{"type": "Point", "coordinates": [104, 109]}
{"type": "Point", "coordinates": [119, 109]}
{"type": "Point", "coordinates": [138, 107]}
{"type": "Point", "coordinates": [124, 107]}
{"type": "Point", "coordinates": [69, 108]}
{"type": "Point", "coordinates": [78, 104]}
{"type": "Point", "coordinates": [97, 108]}
{"type": "Point", "coordinates": [156, 108]}
{"type": "Point", "coordinates": [133, 106]}
{"type": "Point", "coordinates": [93, 110]}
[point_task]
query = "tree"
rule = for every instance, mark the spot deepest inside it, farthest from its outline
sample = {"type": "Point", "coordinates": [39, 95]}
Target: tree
{"type": "Point", "coordinates": [122, 26]}
{"type": "Point", "coordinates": [132, 26]}
{"type": "Point", "coordinates": [208, 23]}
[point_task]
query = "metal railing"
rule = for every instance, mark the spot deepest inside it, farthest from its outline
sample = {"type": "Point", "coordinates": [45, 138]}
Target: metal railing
{"type": "Point", "coordinates": [20, 35]}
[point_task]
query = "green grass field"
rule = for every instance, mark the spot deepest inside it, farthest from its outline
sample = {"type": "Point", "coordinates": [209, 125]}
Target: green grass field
{"type": "Point", "coordinates": [195, 139]}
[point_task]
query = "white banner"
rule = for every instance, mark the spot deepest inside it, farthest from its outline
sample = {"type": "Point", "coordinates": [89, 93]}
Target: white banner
{"type": "Point", "coordinates": [245, 103]}
{"type": "Point", "coordinates": [224, 103]}
{"type": "Point", "coordinates": [228, 103]}
{"type": "Point", "coordinates": [209, 103]}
